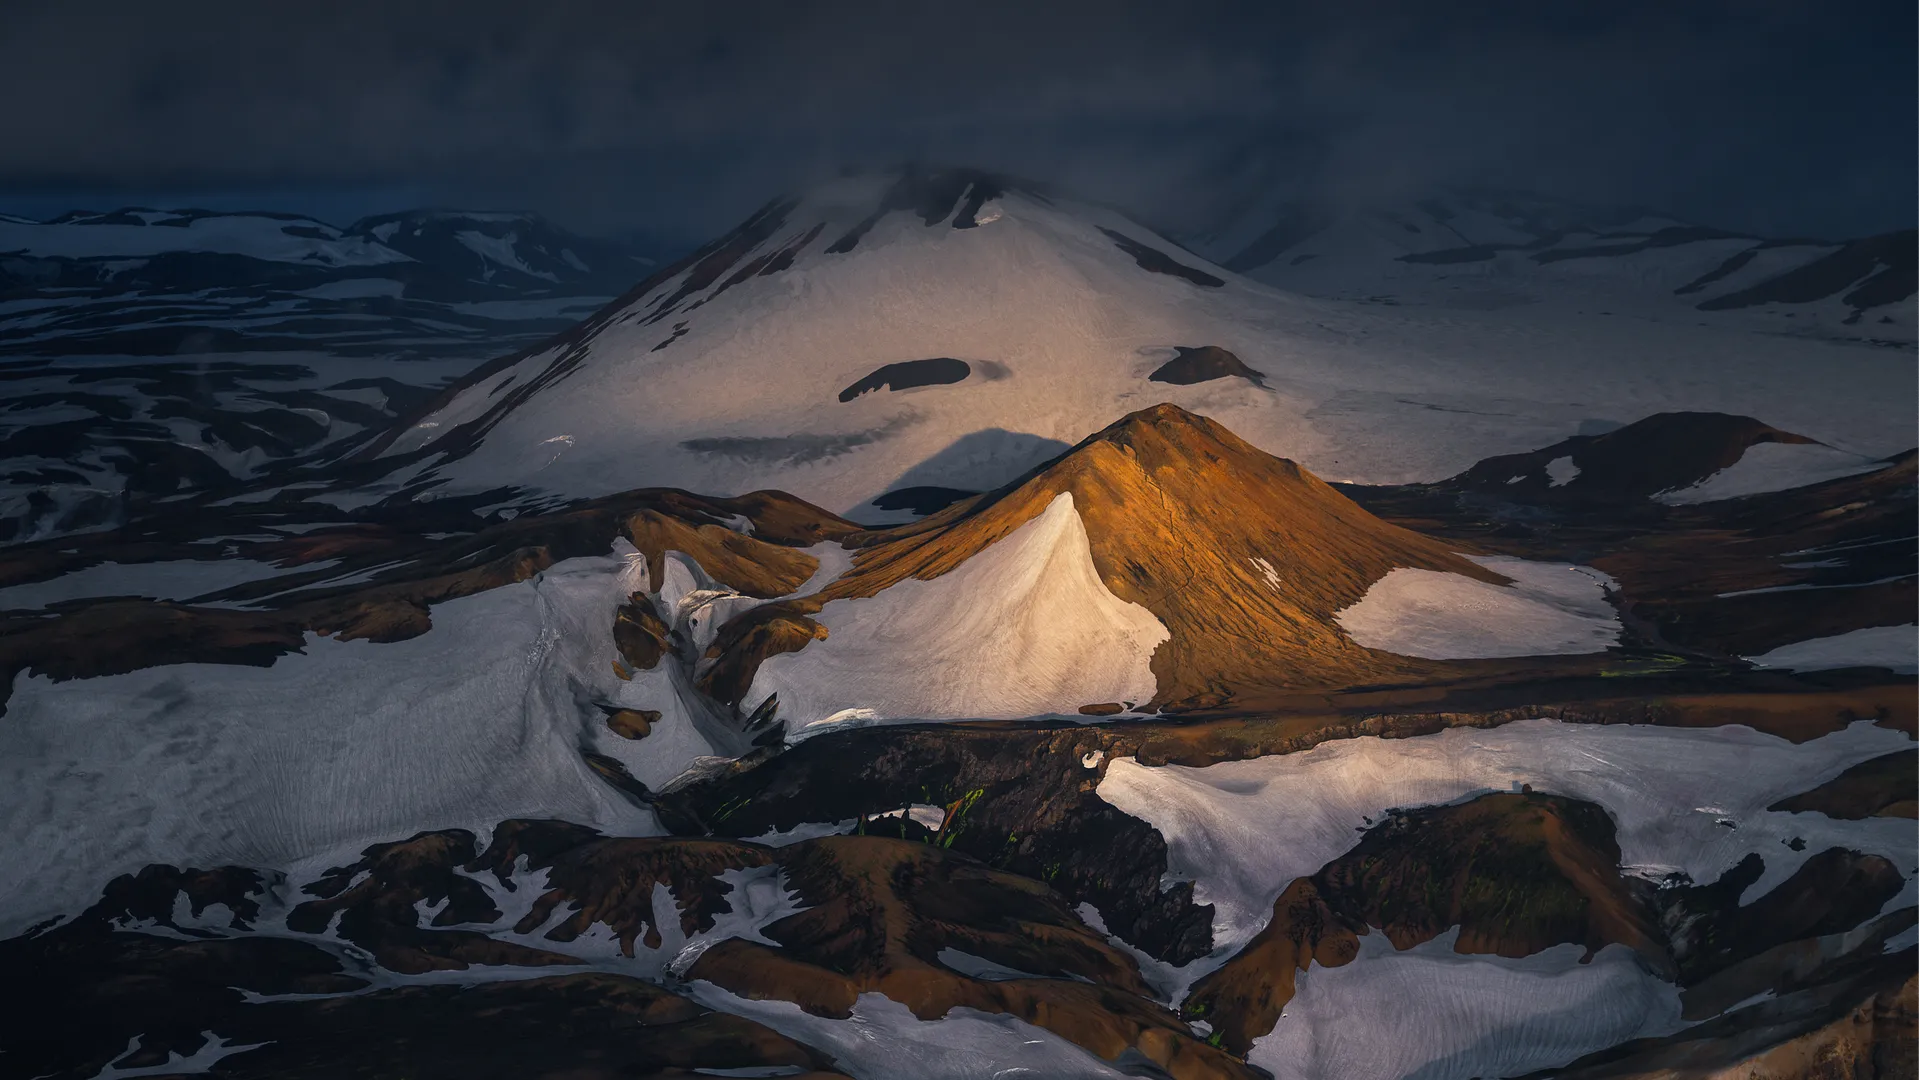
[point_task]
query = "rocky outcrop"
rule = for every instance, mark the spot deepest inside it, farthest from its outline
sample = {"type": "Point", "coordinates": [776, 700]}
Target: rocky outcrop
{"type": "Point", "coordinates": [1715, 581]}
{"type": "Point", "coordinates": [639, 634]}
{"type": "Point", "coordinates": [632, 723]}
{"type": "Point", "coordinates": [747, 564]}
{"type": "Point", "coordinates": [1663, 452]}
{"type": "Point", "coordinates": [376, 904]}
{"type": "Point", "coordinates": [1709, 930]}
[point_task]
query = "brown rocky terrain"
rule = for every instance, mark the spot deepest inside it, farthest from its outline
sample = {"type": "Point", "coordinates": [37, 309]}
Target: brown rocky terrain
{"type": "Point", "coordinates": [979, 911]}
{"type": "Point", "coordinates": [880, 913]}
{"type": "Point", "coordinates": [1519, 873]}
{"type": "Point", "coordinates": [1177, 510]}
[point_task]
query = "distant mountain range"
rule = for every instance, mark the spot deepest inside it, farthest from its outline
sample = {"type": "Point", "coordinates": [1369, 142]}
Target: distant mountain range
{"type": "Point", "coordinates": [1486, 250]}
{"type": "Point", "coordinates": [159, 282]}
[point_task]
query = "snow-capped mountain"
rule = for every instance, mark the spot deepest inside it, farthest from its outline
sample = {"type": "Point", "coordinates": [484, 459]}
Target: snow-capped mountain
{"type": "Point", "coordinates": [540, 733]}
{"type": "Point", "coordinates": [883, 336]}
{"type": "Point", "coordinates": [1479, 250]}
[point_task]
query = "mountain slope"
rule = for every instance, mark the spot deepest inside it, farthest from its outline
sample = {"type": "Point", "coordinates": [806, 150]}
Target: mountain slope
{"type": "Point", "coordinates": [1225, 565]}
{"type": "Point", "coordinates": [952, 329]}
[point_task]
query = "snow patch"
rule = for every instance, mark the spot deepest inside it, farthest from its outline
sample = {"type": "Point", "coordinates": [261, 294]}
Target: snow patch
{"type": "Point", "coordinates": [200, 1061]}
{"type": "Point", "coordinates": [882, 1037]}
{"type": "Point", "coordinates": [1551, 609]}
{"type": "Point", "coordinates": [178, 579]}
{"type": "Point", "coordinates": [347, 743]}
{"type": "Point", "coordinates": [1439, 1015]}
{"type": "Point", "coordinates": [1891, 647]}
{"type": "Point", "coordinates": [1771, 466]}
{"type": "Point", "coordinates": [1561, 471]}
{"type": "Point", "coordinates": [1267, 573]}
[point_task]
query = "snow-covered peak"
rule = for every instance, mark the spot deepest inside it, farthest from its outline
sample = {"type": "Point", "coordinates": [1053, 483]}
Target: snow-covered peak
{"type": "Point", "coordinates": [940, 331]}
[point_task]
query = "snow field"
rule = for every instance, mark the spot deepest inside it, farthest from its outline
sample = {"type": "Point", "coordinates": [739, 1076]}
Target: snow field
{"type": "Point", "coordinates": [1550, 609]}
{"type": "Point", "coordinates": [1024, 628]}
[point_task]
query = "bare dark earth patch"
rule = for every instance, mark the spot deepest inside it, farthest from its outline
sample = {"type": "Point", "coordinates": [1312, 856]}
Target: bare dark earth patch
{"type": "Point", "coordinates": [1874, 271]}
{"type": "Point", "coordinates": [907, 374]}
{"type": "Point", "coordinates": [1203, 364]}
{"type": "Point", "coordinates": [797, 449]}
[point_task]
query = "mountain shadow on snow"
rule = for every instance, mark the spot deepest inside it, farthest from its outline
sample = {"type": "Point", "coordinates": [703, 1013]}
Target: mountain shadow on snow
{"type": "Point", "coordinates": [921, 500]}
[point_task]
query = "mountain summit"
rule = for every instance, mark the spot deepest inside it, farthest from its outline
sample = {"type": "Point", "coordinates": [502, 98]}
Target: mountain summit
{"type": "Point", "coordinates": [884, 335]}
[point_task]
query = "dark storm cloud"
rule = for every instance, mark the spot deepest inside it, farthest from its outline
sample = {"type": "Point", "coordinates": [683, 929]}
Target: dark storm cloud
{"type": "Point", "coordinates": [1776, 117]}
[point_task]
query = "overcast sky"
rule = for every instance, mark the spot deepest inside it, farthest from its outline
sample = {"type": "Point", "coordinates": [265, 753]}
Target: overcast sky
{"type": "Point", "coordinates": [1779, 118]}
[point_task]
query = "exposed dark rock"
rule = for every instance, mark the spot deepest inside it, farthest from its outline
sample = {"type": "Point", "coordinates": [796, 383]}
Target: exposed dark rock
{"type": "Point", "coordinates": [1874, 271]}
{"type": "Point", "coordinates": [1203, 364]}
{"type": "Point", "coordinates": [639, 634]}
{"type": "Point", "coordinates": [1021, 801]}
{"type": "Point", "coordinates": [632, 723]}
{"type": "Point", "coordinates": [932, 195]}
{"type": "Point", "coordinates": [1662, 452]}
{"type": "Point", "coordinates": [977, 196]}
{"type": "Point", "coordinates": [1159, 262]}
{"type": "Point", "coordinates": [1881, 787]}
{"type": "Point", "coordinates": [1709, 930]}
{"type": "Point", "coordinates": [1732, 265]}
{"type": "Point", "coordinates": [939, 371]}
